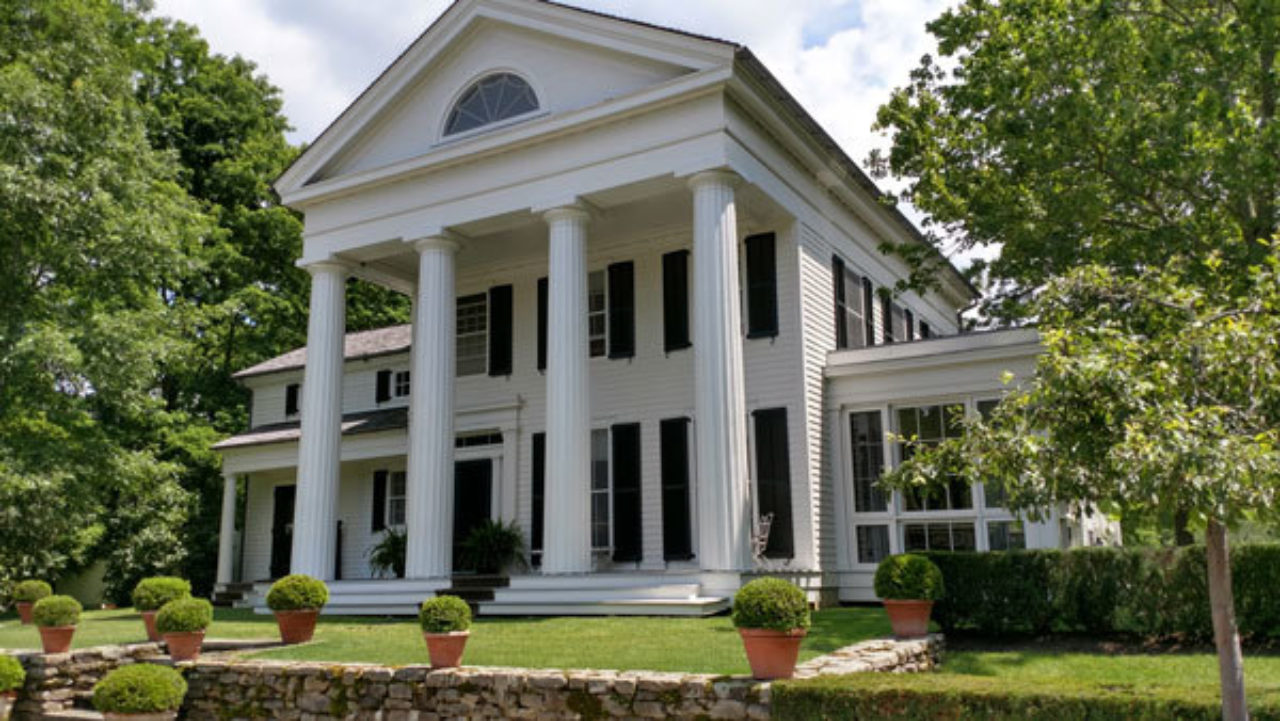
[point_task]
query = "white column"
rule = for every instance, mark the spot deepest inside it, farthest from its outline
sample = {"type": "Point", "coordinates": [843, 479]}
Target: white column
{"type": "Point", "coordinates": [429, 482]}
{"type": "Point", "coordinates": [227, 530]}
{"type": "Point", "coordinates": [720, 417]}
{"type": "Point", "coordinates": [319, 453]}
{"type": "Point", "coordinates": [566, 544]}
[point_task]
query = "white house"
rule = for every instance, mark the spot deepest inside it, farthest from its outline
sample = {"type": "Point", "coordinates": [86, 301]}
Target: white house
{"type": "Point", "coordinates": [649, 309]}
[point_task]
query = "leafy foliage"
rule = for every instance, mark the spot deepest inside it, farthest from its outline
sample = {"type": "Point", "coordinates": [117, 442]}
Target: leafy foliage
{"type": "Point", "coordinates": [152, 593]}
{"type": "Point", "coordinates": [936, 696]}
{"type": "Point", "coordinates": [53, 611]}
{"type": "Point", "coordinates": [297, 592]}
{"type": "Point", "coordinates": [444, 614]}
{"type": "Point", "coordinates": [184, 615]}
{"type": "Point", "coordinates": [770, 603]}
{"type": "Point", "coordinates": [493, 547]}
{"type": "Point", "coordinates": [908, 577]}
{"type": "Point", "coordinates": [12, 674]}
{"type": "Point", "coordinates": [31, 591]}
{"type": "Point", "coordinates": [387, 555]}
{"type": "Point", "coordinates": [140, 688]}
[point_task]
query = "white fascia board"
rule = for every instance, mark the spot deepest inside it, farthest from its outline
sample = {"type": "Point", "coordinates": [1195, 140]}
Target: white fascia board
{"type": "Point", "coordinates": [513, 138]}
{"type": "Point", "coordinates": [935, 352]}
{"type": "Point", "coordinates": [437, 42]}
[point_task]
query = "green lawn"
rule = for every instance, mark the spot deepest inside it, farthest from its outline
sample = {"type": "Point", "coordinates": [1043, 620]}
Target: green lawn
{"type": "Point", "coordinates": [1262, 672]}
{"type": "Point", "coordinates": [702, 645]}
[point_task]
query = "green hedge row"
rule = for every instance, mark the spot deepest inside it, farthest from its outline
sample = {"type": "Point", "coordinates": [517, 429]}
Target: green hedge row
{"type": "Point", "coordinates": [862, 697]}
{"type": "Point", "coordinates": [1151, 592]}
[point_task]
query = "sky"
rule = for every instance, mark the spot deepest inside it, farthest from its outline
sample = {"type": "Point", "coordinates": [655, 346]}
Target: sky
{"type": "Point", "coordinates": [840, 58]}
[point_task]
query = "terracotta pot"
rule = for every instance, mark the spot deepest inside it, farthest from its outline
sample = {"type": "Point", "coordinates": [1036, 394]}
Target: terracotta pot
{"type": "Point", "coordinates": [909, 619]}
{"type": "Point", "coordinates": [24, 612]}
{"type": "Point", "coordinates": [155, 716]}
{"type": "Point", "coordinates": [56, 639]}
{"type": "Point", "coordinates": [149, 620]}
{"type": "Point", "coordinates": [7, 700]}
{"type": "Point", "coordinates": [772, 654]}
{"type": "Point", "coordinates": [297, 626]}
{"type": "Point", "coordinates": [184, 646]}
{"type": "Point", "coordinates": [446, 649]}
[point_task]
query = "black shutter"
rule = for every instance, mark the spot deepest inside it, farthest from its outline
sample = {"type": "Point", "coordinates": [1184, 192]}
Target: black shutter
{"type": "Point", "coordinates": [773, 480]}
{"type": "Point", "coordinates": [379, 500]}
{"type": "Point", "coordinates": [677, 543]}
{"type": "Point", "coordinates": [925, 330]}
{"type": "Point", "coordinates": [675, 300]}
{"type": "Point", "coordinates": [500, 314]}
{"type": "Point", "coordinates": [383, 392]}
{"type": "Point", "coordinates": [886, 318]}
{"type": "Point", "coordinates": [542, 324]}
{"type": "Point", "coordinates": [626, 492]}
{"type": "Point", "coordinates": [842, 310]}
{"type": "Point", "coordinates": [291, 399]}
{"type": "Point", "coordinates": [622, 310]}
{"type": "Point", "coordinates": [909, 321]}
{"type": "Point", "coordinates": [869, 310]}
{"type": "Point", "coordinates": [762, 286]}
{"type": "Point", "coordinates": [538, 494]}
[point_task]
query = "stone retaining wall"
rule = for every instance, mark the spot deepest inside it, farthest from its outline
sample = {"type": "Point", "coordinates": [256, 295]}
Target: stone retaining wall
{"type": "Point", "coordinates": [60, 681]}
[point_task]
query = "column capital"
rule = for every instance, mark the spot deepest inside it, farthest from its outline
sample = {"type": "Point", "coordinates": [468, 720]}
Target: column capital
{"type": "Point", "coordinates": [719, 176]}
{"type": "Point", "coordinates": [579, 212]}
{"type": "Point", "coordinates": [446, 241]}
{"type": "Point", "coordinates": [330, 266]}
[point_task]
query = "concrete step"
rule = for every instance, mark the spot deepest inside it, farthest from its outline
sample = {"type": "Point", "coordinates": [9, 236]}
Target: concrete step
{"type": "Point", "coordinates": [571, 594]}
{"type": "Point", "coordinates": [700, 606]}
{"type": "Point", "coordinates": [605, 580]}
{"type": "Point", "coordinates": [74, 714]}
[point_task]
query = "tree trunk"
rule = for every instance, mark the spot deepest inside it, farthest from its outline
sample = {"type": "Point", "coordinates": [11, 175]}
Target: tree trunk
{"type": "Point", "coordinates": [1225, 634]}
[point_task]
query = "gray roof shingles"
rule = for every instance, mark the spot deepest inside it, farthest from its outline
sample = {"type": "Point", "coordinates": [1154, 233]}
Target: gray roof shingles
{"type": "Point", "coordinates": [365, 344]}
{"type": "Point", "coordinates": [352, 424]}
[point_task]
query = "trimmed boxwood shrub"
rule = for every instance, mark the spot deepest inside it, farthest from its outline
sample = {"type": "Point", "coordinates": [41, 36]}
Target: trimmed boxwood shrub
{"type": "Point", "coordinates": [908, 577]}
{"type": "Point", "coordinates": [184, 616]}
{"type": "Point", "coordinates": [12, 674]}
{"type": "Point", "coordinates": [152, 593]}
{"type": "Point", "coordinates": [31, 591]}
{"type": "Point", "coordinates": [56, 611]}
{"type": "Point", "coordinates": [772, 604]}
{"type": "Point", "coordinates": [444, 614]}
{"type": "Point", "coordinates": [140, 688]}
{"type": "Point", "coordinates": [297, 592]}
{"type": "Point", "coordinates": [867, 696]}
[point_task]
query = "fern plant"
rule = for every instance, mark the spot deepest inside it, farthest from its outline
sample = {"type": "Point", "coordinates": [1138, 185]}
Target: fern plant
{"type": "Point", "coordinates": [493, 547]}
{"type": "Point", "coordinates": [387, 556]}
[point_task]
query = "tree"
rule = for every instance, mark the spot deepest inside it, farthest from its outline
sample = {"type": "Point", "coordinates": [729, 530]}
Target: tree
{"type": "Point", "coordinates": [1149, 393]}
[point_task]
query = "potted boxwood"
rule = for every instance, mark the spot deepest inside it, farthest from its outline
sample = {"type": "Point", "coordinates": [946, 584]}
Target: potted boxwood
{"type": "Point", "coordinates": [182, 623]}
{"type": "Point", "coordinates": [140, 692]}
{"type": "Point", "coordinates": [12, 677]}
{"type": "Point", "coordinates": [56, 617]}
{"type": "Point", "coordinates": [772, 616]}
{"type": "Point", "coordinates": [908, 585]}
{"type": "Point", "coordinates": [445, 620]}
{"type": "Point", "coordinates": [25, 595]}
{"type": "Point", "coordinates": [152, 593]}
{"type": "Point", "coordinates": [296, 600]}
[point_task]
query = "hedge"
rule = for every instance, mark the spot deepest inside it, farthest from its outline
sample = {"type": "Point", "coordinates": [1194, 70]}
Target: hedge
{"type": "Point", "coordinates": [1149, 592]}
{"type": "Point", "coordinates": [861, 697]}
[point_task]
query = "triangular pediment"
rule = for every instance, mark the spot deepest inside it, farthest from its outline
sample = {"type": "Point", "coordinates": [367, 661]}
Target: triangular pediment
{"type": "Point", "coordinates": [572, 59]}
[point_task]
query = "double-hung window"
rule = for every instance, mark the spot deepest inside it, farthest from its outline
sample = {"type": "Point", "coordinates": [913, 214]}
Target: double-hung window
{"type": "Point", "coordinates": [939, 536]}
{"type": "Point", "coordinates": [850, 306]}
{"type": "Point", "coordinates": [601, 498]}
{"type": "Point", "coordinates": [472, 334]}
{"type": "Point", "coordinates": [930, 425]}
{"type": "Point", "coordinates": [396, 499]}
{"type": "Point", "coordinates": [597, 314]}
{"type": "Point", "coordinates": [402, 384]}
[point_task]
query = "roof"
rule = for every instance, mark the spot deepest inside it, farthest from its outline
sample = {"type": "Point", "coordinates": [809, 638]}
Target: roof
{"type": "Point", "coordinates": [358, 346]}
{"type": "Point", "coordinates": [352, 424]}
{"type": "Point", "coordinates": [936, 351]}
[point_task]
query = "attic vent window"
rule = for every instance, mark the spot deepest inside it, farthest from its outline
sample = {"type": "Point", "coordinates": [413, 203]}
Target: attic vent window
{"type": "Point", "coordinates": [491, 99]}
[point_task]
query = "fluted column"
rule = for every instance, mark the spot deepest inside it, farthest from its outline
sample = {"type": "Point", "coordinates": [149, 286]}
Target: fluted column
{"type": "Point", "coordinates": [567, 527]}
{"type": "Point", "coordinates": [319, 453]}
{"type": "Point", "coordinates": [720, 417]}
{"type": "Point", "coordinates": [227, 530]}
{"type": "Point", "coordinates": [429, 481]}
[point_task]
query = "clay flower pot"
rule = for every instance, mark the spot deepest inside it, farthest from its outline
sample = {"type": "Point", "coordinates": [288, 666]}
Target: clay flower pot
{"type": "Point", "coordinates": [56, 639]}
{"type": "Point", "coordinates": [909, 619]}
{"type": "Point", "coordinates": [24, 612]}
{"type": "Point", "coordinates": [7, 700]}
{"type": "Point", "coordinates": [772, 654]}
{"type": "Point", "coordinates": [446, 649]}
{"type": "Point", "coordinates": [149, 620]}
{"type": "Point", "coordinates": [184, 646]}
{"type": "Point", "coordinates": [297, 626]}
{"type": "Point", "coordinates": [156, 716]}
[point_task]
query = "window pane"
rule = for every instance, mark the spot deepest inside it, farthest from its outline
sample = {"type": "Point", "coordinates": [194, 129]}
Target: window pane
{"type": "Point", "coordinates": [930, 423]}
{"type": "Point", "coordinates": [868, 462]}
{"type": "Point", "coordinates": [397, 484]}
{"type": "Point", "coordinates": [939, 536]}
{"type": "Point", "coordinates": [993, 494]}
{"type": "Point", "coordinates": [960, 493]}
{"type": "Point", "coordinates": [402, 383]}
{"type": "Point", "coordinates": [963, 538]}
{"type": "Point", "coordinates": [1006, 536]}
{"type": "Point", "coordinates": [472, 335]}
{"type": "Point", "coordinates": [873, 543]}
{"type": "Point", "coordinates": [492, 99]}
{"type": "Point", "coordinates": [915, 538]}
{"type": "Point", "coordinates": [597, 320]}
{"type": "Point", "coordinates": [600, 489]}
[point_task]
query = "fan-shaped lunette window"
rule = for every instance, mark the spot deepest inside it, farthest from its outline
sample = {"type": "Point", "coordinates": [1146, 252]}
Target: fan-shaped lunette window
{"type": "Point", "coordinates": [491, 99]}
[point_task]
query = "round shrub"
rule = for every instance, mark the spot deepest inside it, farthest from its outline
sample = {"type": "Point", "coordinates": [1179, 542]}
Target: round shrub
{"type": "Point", "coordinates": [297, 592]}
{"type": "Point", "coordinates": [444, 614]}
{"type": "Point", "coordinates": [56, 611]}
{"type": "Point", "coordinates": [772, 604]}
{"type": "Point", "coordinates": [31, 591]}
{"type": "Point", "coordinates": [140, 688]}
{"type": "Point", "coordinates": [184, 616]}
{"type": "Point", "coordinates": [908, 577]}
{"type": "Point", "coordinates": [152, 593]}
{"type": "Point", "coordinates": [12, 675]}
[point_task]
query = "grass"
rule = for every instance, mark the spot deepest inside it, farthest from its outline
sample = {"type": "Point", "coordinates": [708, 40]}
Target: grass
{"type": "Point", "coordinates": [693, 645]}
